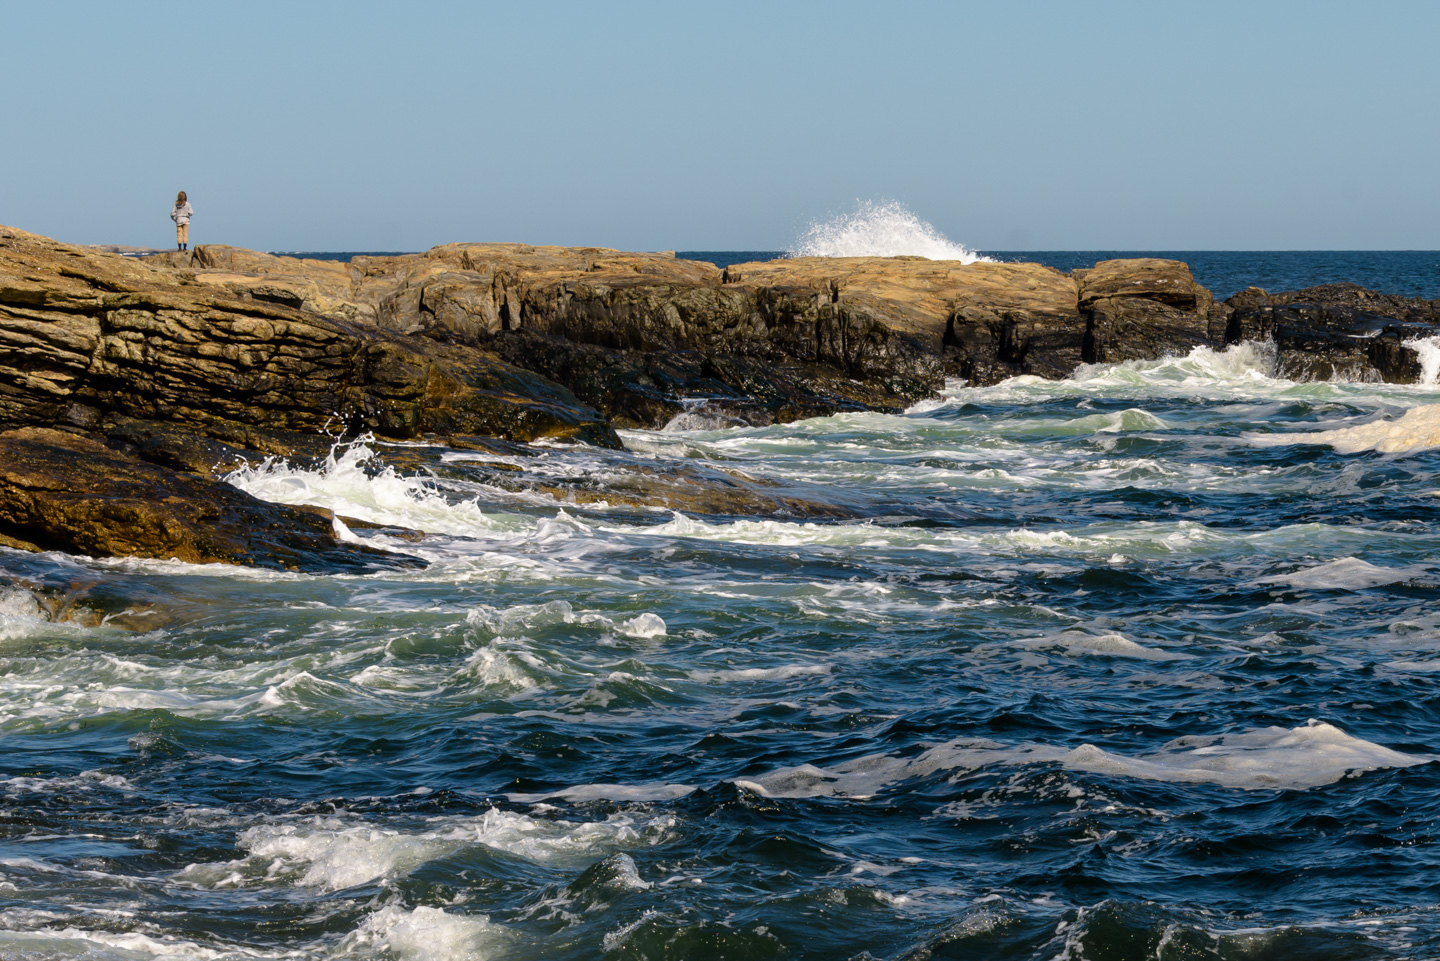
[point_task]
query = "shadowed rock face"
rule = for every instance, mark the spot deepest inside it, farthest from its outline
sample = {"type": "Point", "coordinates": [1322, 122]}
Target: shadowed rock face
{"type": "Point", "coordinates": [68, 493]}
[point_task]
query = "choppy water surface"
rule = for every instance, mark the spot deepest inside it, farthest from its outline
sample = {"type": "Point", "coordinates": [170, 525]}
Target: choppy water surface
{"type": "Point", "coordinates": [1115, 667]}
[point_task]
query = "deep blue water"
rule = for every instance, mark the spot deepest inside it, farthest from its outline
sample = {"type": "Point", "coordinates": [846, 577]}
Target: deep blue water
{"type": "Point", "coordinates": [1140, 664]}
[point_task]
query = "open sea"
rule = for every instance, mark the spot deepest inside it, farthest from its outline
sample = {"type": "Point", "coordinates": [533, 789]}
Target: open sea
{"type": "Point", "coordinates": [1142, 664]}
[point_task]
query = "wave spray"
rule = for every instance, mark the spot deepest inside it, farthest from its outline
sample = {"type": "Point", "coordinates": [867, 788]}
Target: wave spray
{"type": "Point", "coordinates": [879, 228]}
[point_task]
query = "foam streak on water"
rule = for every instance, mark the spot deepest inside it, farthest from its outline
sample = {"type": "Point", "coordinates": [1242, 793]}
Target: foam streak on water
{"type": "Point", "coordinates": [1141, 663]}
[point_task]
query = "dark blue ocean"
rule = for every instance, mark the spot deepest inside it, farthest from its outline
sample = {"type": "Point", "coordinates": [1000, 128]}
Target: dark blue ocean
{"type": "Point", "coordinates": [1141, 664]}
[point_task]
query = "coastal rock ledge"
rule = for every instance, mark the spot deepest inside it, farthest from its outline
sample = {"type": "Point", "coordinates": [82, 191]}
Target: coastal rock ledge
{"type": "Point", "coordinates": [184, 363]}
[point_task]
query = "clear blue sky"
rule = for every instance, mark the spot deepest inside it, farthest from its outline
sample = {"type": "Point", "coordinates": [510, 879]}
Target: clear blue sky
{"type": "Point", "coordinates": [1014, 125]}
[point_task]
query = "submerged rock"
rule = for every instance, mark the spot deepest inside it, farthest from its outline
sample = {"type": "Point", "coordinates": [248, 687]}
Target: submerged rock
{"type": "Point", "coordinates": [625, 481]}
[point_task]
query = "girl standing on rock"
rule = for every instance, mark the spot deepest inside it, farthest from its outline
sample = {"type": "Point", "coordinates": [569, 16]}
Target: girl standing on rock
{"type": "Point", "coordinates": [181, 215]}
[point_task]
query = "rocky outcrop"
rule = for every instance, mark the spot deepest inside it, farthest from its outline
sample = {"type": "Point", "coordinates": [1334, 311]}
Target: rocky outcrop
{"type": "Point", "coordinates": [1145, 309]}
{"type": "Point", "coordinates": [990, 321]}
{"type": "Point", "coordinates": [1336, 331]}
{"type": "Point", "coordinates": [175, 367]}
{"type": "Point", "coordinates": [87, 337]}
{"type": "Point", "coordinates": [73, 494]}
{"type": "Point", "coordinates": [170, 370]}
{"type": "Point", "coordinates": [640, 336]}
{"type": "Point", "coordinates": [1118, 310]}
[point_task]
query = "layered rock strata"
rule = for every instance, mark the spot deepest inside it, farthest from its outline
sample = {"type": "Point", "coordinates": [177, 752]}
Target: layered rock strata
{"type": "Point", "coordinates": [86, 337]}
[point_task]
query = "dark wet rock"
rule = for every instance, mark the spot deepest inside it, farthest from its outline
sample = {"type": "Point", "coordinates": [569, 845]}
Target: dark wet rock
{"type": "Point", "coordinates": [80, 598]}
{"type": "Point", "coordinates": [688, 489]}
{"type": "Point", "coordinates": [1336, 331]}
{"type": "Point", "coordinates": [637, 389]}
{"type": "Point", "coordinates": [170, 446]}
{"type": "Point", "coordinates": [50, 587]}
{"type": "Point", "coordinates": [627, 481]}
{"type": "Point", "coordinates": [64, 492]}
{"type": "Point", "coordinates": [1345, 297]}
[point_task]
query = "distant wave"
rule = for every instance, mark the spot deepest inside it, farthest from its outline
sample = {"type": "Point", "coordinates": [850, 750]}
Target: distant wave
{"type": "Point", "coordinates": [879, 228]}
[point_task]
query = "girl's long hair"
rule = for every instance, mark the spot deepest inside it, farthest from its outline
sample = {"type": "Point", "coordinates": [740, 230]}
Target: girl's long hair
{"type": "Point", "coordinates": [180, 198]}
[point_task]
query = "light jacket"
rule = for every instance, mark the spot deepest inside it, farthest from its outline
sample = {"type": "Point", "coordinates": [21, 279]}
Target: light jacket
{"type": "Point", "coordinates": [182, 213]}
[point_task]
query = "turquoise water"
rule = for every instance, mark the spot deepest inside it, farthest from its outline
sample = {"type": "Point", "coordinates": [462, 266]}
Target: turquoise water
{"type": "Point", "coordinates": [1135, 665]}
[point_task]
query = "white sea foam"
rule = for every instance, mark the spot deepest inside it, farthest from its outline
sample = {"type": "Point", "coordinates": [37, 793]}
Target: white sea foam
{"type": "Point", "coordinates": [1415, 667]}
{"type": "Point", "coordinates": [702, 417]}
{"type": "Point", "coordinates": [1250, 364]}
{"type": "Point", "coordinates": [56, 940]}
{"type": "Point", "coordinates": [427, 934]}
{"type": "Point", "coordinates": [1270, 758]}
{"type": "Point", "coordinates": [1138, 540]}
{"type": "Point", "coordinates": [521, 617]}
{"type": "Point", "coordinates": [334, 853]}
{"type": "Point", "coordinates": [643, 625]}
{"type": "Point", "coordinates": [1081, 644]}
{"type": "Point", "coordinates": [532, 617]}
{"type": "Point", "coordinates": [418, 934]}
{"type": "Point", "coordinates": [1428, 351]}
{"type": "Point", "coordinates": [1416, 430]}
{"type": "Point", "coordinates": [1345, 574]}
{"type": "Point", "coordinates": [20, 613]}
{"type": "Point", "coordinates": [342, 484]}
{"type": "Point", "coordinates": [782, 673]}
{"type": "Point", "coordinates": [614, 940]}
{"type": "Point", "coordinates": [1120, 421]}
{"type": "Point", "coordinates": [879, 228]}
{"type": "Point", "coordinates": [494, 667]}
{"type": "Point", "coordinates": [1242, 372]}
{"type": "Point", "coordinates": [1308, 756]}
{"type": "Point", "coordinates": [85, 781]}
{"type": "Point", "coordinates": [652, 791]}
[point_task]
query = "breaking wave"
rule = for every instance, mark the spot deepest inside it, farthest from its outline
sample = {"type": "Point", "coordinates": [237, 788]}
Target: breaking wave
{"type": "Point", "coordinates": [880, 228]}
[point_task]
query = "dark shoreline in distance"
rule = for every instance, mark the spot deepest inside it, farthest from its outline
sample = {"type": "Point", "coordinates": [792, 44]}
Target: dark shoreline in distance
{"type": "Point", "coordinates": [1408, 273]}
{"type": "Point", "coordinates": [344, 256]}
